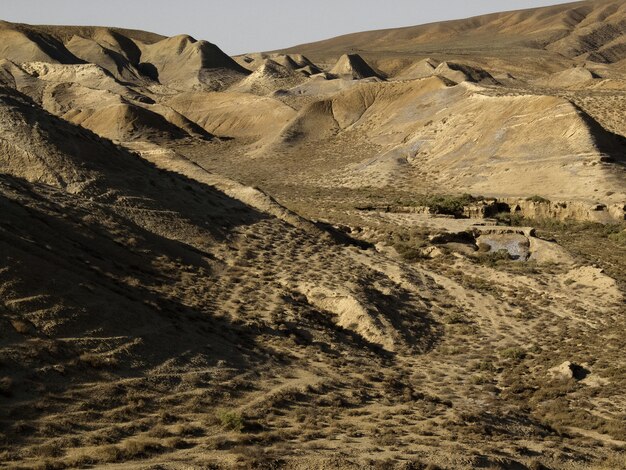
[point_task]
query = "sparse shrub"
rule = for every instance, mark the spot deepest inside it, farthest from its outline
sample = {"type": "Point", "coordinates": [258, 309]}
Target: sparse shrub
{"type": "Point", "coordinates": [108, 454]}
{"type": "Point", "coordinates": [6, 386]}
{"type": "Point", "coordinates": [188, 430]}
{"type": "Point", "coordinates": [513, 354]}
{"type": "Point", "coordinates": [409, 244]}
{"type": "Point", "coordinates": [618, 237]}
{"type": "Point", "coordinates": [166, 417]}
{"type": "Point", "coordinates": [455, 318]}
{"type": "Point", "coordinates": [387, 439]}
{"type": "Point", "coordinates": [97, 361]}
{"type": "Point", "coordinates": [479, 379]}
{"type": "Point", "coordinates": [159, 431]}
{"type": "Point", "coordinates": [408, 252]}
{"type": "Point", "coordinates": [50, 465]}
{"type": "Point", "coordinates": [486, 366]}
{"type": "Point", "coordinates": [176, 443]}
{"type": "Point", "coordinates": [230, 420]}
{"type": "Point", "coordinates": [537, 199]}
{"type": "Point", "coordinates": [493, 258]}
{"type": "Point", "coordinates": [49, 450]}
{"type": "Point", "coordinates": [509, 218]}
{"type": "Point", "coordinates": [141, 447]}
{"type": "Point", "coordinates": [20, 326]}
{"type": "Point", "coordinates": [22, 427]}
{"type": "Point", "coordinates": [448, 204]}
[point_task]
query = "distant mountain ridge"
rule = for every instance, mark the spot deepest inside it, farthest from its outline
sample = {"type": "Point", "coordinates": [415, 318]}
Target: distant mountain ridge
{"type": "Point", "coordinates": [593, 30]}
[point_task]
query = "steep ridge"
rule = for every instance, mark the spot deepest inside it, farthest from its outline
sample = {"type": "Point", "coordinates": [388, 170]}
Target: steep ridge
{"type": "Point", "coordinates": [110, 60]}
{"type": "Point", "coordinates": [460, 73]}
{"type": "Point", "coordinates": [353, 66]}
{"type": "Point", "coordinates": [420, 69]}
{"type": "Point", "coordinates": [89, 96]}
{"type": "Point", "coordinates": [21, 43]}
{"type": "Point", "coordinates": [182, 62]}
{"type": "Point", "coordinates": [129, 55]}
{"type": "Point", "coordinates": [255, 60]}
{"type": "Point", "coordinates": [574, 77]}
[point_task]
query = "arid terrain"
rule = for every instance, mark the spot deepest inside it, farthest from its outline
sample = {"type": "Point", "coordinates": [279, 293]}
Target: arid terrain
{"type": "Point", "coordinates": [392, 249]}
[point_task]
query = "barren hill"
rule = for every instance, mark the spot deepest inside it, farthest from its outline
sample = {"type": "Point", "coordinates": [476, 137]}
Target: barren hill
{"type": "Point", "coordinates": [394, 249]}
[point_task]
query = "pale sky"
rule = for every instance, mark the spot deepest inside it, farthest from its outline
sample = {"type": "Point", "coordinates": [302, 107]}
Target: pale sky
{"type": "Point", "coordinates": [239, 26]}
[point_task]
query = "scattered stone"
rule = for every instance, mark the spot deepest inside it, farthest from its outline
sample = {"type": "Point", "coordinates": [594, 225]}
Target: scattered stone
{"type": "Point", "coordinates": [569, 370]}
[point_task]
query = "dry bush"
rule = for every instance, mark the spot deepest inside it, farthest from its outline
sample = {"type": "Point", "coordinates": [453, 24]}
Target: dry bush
{"type": "Point", "coordinates": [187, 430]}
{"type": "Point", "coordinates": [165, 417]}
{"type": "Point", "coordinates": [21, 326]}
{"type": "Point", "coordinates": [108, 454]}
{"type": "Point", "coordinates": [176, 443]}
{"type": "Point", "coordinates": [97, 361]}
{"type": "Point", "coordinates": [141, 447]}
{"type": "Point", "coordinates": [6, 386]}
{"type": "Point", "coordinates": [159, 431]}
{"type": "Point", "coordinates": [58, 427]}
{"type": "Point", "coordinates": [230, 420]}
{"type": "Point", "coordinates": [514, 354]}
{"type": "Point", "coordinates": [50, 449]}
{"type": "Point", "coordinates": [50, 465]}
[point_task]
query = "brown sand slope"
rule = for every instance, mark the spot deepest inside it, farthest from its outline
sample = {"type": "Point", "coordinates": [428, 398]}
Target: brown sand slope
{"type": "Point", "coordinates": [220, 113]}
{"type": "Point", "coordinates": [65, 286]}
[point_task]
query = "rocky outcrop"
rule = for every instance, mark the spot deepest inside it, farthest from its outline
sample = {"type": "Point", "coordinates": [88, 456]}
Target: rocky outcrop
{"type": "Point", "coordinates": [567, 210]}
